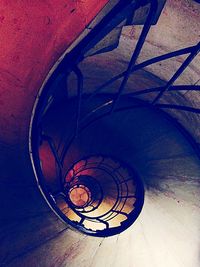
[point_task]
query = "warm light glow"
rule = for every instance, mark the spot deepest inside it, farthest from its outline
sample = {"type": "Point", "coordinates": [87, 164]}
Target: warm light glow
{"type": "Point", "coordinates": [79, 196]}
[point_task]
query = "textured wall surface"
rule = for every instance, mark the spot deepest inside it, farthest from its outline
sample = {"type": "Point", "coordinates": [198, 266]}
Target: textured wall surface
{"type": "Point", "coordinates": [33, 35]}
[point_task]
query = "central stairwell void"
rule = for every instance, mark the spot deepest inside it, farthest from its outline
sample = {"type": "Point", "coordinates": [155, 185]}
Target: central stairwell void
{"type": "Point", "coordinates": [95, 180]}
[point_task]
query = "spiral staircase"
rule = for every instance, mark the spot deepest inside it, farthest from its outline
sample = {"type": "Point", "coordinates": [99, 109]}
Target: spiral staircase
{"type": "Point", "coordinates": [114, 146]}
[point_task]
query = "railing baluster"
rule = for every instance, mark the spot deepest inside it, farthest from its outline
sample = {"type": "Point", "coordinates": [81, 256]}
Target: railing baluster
{"type": "Point", "coordinates": [136, 52]}
{"type": "Point", "coordinates": [185, 64]}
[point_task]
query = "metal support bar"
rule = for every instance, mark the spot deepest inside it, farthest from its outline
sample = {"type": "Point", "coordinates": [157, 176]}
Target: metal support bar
{"type": "Point", "coordinates": [136, 52]}
{"type": "Point", "coordinates": [79, 75]}
{"type": "Point", "coordinates": [184, 108]}
{"type": "Point", "coordinates": [144, 64]}
{"type": "Point", "coordinates": [172, 88]}
{"type": "Point", "coordinates": [178, 72]}
{"type": "Point", "coordinates": [53, 149]}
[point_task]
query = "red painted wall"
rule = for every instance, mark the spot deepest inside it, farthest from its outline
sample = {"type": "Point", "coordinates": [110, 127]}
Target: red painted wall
{"type": "Point", "coordinates": [33, 34]}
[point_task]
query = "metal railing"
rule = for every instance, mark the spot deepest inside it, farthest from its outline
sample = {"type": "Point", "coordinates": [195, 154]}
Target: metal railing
{"type": "Point", "coordinates": [69, 64]}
